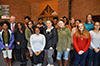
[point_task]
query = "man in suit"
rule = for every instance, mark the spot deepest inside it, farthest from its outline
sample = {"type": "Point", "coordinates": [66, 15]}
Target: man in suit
{"type": "Point", "coordinates": [12, 22]}
{"type": "Point", "coordinates": [12, 25]}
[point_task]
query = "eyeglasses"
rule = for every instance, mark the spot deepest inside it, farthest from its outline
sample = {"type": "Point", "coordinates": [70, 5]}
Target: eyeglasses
{"type": "Point", "coordinates": [97, 25]}
{"type": "Point", "coordinates": [29, 24]}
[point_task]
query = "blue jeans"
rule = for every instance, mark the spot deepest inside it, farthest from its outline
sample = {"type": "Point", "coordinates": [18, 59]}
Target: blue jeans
{"type": "Point", "coordinates": [59, 54]}
{"type": "Point", "coordinates": [92, 55]}
{"type": "Point", "coordinates": [80, 58]}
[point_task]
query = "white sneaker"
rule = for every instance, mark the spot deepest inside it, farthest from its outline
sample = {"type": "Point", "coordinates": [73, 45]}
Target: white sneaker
{"type": "Point", "coordinates": [48, 65]}
{"type": "Point", "coordinates": [35, 65]}
{"type": "Point", "coordinates": [51, 65]}
{"type": "Point", "coordinates": [40, 64]}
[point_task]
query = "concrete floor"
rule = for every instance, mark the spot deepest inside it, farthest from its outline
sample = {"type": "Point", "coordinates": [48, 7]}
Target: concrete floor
{"type": "Point", "coordinates": [16, 63]}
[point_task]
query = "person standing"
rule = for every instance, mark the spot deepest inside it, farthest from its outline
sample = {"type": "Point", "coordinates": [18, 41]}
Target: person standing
{"type": "Point", "coordinates": [72, 22]}
{"type": "Point", "coordinates": [28, 32]}
{"type": "Point", "coordinates": [67, 22]}
{"type": "Point", "coordinates": [21, 42]}
{"type": "Point", "coordinates": [6, 43]}
{"type": "Point", "coordinates": [94, 49]}
{"type": "Point", "coordinates": [41, 25]}
{"type": "Point", "coordinates": [81, 42]}
{"type": "Point", "coordinates": [89, 22]}
{"type": "Point", "coordinates": [12, 25]}
{"type": "Point", "coordinates": [55, 20]}
{"type": "Point", "coordinates": [51, 41]}
{"type": "Point", "coordinates": [72, 48]}
{"type": "Point", "coordinates": [26, 20]}
{"type": "Point", "coordinates": [64, 42]}
{"type": "Point", "coordinates": [12, 22]}
{"type": "Point", "coordinates": [37, 42]}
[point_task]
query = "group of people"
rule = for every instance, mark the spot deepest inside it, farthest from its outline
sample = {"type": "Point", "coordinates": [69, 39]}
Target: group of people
{"type": "Point", "coordinates": [78, 42]}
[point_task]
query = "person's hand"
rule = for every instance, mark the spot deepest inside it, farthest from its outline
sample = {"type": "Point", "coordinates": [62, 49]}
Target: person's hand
{"type": "Point", "coordinates": [67, 49]}
{"type": "Point", "coordinates": [80, 52]}
{"type": "Point", "coordinates": [18, 43]}
{"type": "Point", "coordinates": [6, 48]}
{"type": "Point", "coordinates": [56, 48]}
{"type": "Point", "coordinates": [29, 47]}
{"type": "Point", "coordinates": [96, 50]}
{"type": "Point", "coordinates": [36, 53]}
{"type": "Point", "coordinates": [51, 48]}
{"type": "Point", "coordinates": [31, 54]}
{"type": "Point", "coordinates": [39, 52]}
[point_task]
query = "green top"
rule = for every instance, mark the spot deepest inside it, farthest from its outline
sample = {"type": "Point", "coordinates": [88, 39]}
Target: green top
{"type": "Point", "coordinates": [6, 37]}
{"type": "Point", "coordinates": [64, 39]}
{"type": "Point", "coordinates": [27, 35]}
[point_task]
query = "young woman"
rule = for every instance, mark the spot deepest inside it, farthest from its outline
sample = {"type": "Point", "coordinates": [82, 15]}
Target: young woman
{"type": "Point", "coordinates": [21, 42]}
{"type": "Point", "coordinates": [37, 42]}
{"type": "Point", "coordinates": [64, 42]}
{"type": "Point", "coordinates": [51, 40]}
{"type": "Point", "coordinates": [73, 31]}
{"type": "Point", "coordinates": [26, 20]}
{"type": "Point", "coordinates": [67, 22]}
{"type": "Point", "coordinates": [75, 27]}
{"type": "Point", "coordinates": [94, 50]}
{"type": "Point", "coordinates": [81, 41]}
{"type": "Point", "coordinates": [28, 32]}
{"type": "Point", "coordinates": [89, 22]}
{"type": "Point", "coordinates": [6, 43]}
{"type": "Point", "coordinates": [72, 22]}
{"type": "Point", "coordinates": [55, 20]}
{"type": "Point", "coordinates": [41, 25]}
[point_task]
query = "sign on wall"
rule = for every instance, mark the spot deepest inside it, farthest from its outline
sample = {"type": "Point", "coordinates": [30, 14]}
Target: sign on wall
{"type": "Point", "coordinates": [4, 11]}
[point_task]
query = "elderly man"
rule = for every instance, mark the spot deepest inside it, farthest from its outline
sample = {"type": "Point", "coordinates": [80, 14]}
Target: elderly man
{"type": "Point", "coordinates": [12, 22]}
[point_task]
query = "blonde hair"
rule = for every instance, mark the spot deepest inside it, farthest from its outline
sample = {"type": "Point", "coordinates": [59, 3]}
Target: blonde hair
{"type": "Point", "coordinates": [84, 34]}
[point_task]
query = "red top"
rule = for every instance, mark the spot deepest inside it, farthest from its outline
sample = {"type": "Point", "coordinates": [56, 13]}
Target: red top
{"type": "Point", "coordinates": [81, 43]}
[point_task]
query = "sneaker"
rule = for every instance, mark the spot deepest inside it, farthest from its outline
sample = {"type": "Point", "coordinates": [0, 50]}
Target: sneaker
{"type": "Point", "coordinates": [48, 65]}
{"type": "Point", "coordinates": [35, 65]}
{"type": "Point", "coordinates": [40, 64]}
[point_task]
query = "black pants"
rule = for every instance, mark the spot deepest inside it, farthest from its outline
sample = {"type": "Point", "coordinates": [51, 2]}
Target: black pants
{"type": "Point", "coordinates": [38, 59]}
{"type": "Point", "coordinates": [21, 54]}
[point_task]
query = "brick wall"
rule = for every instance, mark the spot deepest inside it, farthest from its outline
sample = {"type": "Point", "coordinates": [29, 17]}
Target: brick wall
{"type": "Point", "coordinates": [35, 11]}
{"type": "Point", "coordinates": [80, 8]}
{"type": "Point", "coordinates": [18, 8]}
{"type": "Point", "coordinates": [63, 8]}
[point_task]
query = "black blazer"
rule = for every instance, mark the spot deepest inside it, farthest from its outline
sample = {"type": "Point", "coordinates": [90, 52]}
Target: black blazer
{"type": "Point", "coordinates": [51, 38]}
{"type": "Point", "coordinates": [20, 37]}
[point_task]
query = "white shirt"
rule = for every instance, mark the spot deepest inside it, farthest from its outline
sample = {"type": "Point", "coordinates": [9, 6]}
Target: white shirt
{"type": "Point", "coordinates": [11, 25]}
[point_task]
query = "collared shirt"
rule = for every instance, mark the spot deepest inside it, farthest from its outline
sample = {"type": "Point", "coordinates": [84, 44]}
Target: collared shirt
{"type": "Point", "coordinates": [12, 25]}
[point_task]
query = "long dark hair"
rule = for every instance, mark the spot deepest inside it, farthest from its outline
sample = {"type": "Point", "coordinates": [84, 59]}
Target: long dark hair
{"type": "Point", "coordinates": [32, 26]}
{"type": "Point", "coordinates": [16, 26]}
{"type": "Point", "coordinates": [67, 23]}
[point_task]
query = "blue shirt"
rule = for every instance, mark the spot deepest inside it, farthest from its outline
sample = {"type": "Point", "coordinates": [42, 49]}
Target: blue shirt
{"type": "Point", "coordinates": [89, 26]}
{"type": "Point", "coordinates": [37, 42]}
